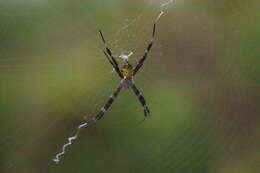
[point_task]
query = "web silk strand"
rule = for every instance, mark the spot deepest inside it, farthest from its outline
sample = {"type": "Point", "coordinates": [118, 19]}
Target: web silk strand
{"type": "Point", "coordinates": [70, 140]}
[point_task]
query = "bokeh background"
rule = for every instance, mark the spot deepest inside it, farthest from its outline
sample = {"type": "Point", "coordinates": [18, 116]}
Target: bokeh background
{"type": "Point", "coordinates": [201, 82]}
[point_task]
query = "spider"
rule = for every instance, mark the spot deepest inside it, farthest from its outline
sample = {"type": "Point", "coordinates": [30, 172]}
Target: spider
{"type": "Point", "coordinates": [126, 74]}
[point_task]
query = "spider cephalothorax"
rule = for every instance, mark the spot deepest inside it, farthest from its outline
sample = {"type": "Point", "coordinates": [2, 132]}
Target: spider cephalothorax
{"type": "Point", "coordinates": [126, 74]}
{"type": "Point", "coordinates": [127, 70]}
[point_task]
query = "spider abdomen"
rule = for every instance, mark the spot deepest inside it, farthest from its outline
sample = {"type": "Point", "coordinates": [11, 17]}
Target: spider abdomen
{"type": "Point", "coordinates": [126, 83]}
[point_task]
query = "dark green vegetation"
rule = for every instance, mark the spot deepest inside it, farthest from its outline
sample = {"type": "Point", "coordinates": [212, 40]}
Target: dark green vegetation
{"type": "Point", "coordinates": [201, 81]}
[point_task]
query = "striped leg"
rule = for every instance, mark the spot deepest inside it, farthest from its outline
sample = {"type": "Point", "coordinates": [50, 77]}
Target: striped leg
{"type": "Point", "coordinates": [109, 55]}
{"type": "Point", "coordinates": [111, 62]}
{"type": "Point", "coordinates": [108, 104]}
{"type": "Point", "coordinates": [141, 61]}
{"type": "Point", "coordinates": [141, 99]}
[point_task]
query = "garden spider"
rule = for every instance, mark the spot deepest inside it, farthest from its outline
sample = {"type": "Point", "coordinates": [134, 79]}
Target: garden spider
{"type": "Point", "coordinates": [126, 74]}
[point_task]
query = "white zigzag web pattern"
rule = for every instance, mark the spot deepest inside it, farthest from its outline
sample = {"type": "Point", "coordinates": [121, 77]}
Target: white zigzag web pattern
{"type": "Point", "coordinates": [70, 139]}
{"type": "Point", "coordinates": [123, 56]}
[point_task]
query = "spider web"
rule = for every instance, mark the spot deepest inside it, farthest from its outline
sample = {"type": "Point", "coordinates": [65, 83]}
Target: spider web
{"type": "Point", "coordinates": [199, 80]}
{"type": "Point", "coordinates": [124, 56]}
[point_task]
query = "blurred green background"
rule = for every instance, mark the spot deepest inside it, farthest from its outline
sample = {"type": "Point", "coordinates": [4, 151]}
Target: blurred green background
{"type": "Point", "coordinates": [201, 82]}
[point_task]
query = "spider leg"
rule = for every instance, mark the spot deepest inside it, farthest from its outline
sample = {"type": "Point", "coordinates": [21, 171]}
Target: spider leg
{"type": "Point", "coordinates": [141, 61]}
{"type": "Point", "coordinates": [109, 55]}
{"type": "Point", "coordinates": [141, 99]}
{"type": "Point", "coordinates": [116, 69]}
{"type": "Point", "coordinates": [109, 102]}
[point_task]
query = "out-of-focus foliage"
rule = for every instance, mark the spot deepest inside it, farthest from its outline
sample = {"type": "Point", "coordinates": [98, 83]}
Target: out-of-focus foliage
{"type": "Point", "coordinates": [201, 81]}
